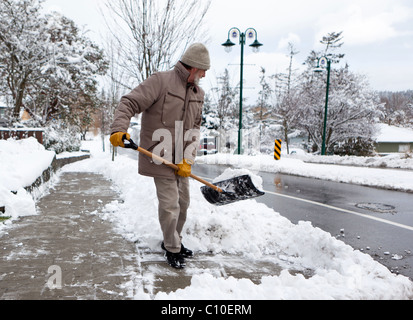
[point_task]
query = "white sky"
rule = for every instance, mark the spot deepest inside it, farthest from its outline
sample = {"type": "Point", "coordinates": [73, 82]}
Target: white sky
{"type": "Point", "coordinates": [378, 35]}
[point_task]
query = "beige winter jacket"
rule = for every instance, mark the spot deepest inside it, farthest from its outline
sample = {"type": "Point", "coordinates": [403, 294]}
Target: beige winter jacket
{"type": "Point", "coordinates": [171, 117]}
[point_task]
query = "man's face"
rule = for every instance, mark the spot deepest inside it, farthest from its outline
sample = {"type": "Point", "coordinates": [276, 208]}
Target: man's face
{"type": "Point", "coordinates": [196, 75]}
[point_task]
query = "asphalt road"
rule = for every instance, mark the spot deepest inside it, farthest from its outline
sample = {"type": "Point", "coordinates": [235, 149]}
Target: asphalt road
{"type": "Point", "coordinates": [375, 221]}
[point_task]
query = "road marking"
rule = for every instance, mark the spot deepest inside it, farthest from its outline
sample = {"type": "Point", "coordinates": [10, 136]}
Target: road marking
{"type": "Point", "coordinates": [337, 209]}
{"type": "Point", "coordinates": [342, 210]}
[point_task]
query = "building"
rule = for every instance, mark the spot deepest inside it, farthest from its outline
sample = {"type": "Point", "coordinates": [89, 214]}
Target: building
{"type": "Point", "coordinates": [391, 139]}
{"type": "Point", "coordinates": [17, 132]}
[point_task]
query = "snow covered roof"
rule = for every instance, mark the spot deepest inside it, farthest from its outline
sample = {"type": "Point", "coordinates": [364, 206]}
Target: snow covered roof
{"type": "Point", "coordinates": [388, 133]}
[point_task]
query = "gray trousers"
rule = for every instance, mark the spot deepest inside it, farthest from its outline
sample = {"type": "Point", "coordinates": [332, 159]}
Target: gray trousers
{"type": "Point", "coordinates": [173, 196]}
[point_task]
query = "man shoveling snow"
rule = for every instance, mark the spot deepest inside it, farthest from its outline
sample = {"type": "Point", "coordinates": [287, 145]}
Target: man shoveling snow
{"type": "Point", "coordinates": [171, 105]}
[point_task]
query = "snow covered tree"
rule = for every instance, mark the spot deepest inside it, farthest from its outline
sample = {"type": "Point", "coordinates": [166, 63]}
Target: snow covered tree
{"type": "Point", "coordinates": [354, 111]}
{"type": "Point", "coordinates": [49, 69]}
{"type": "Point", "coordinates": [210, 119]}
{"type": "Point", "coordinates": [46, 65]}
{"type": "Point", "coordinates": [22, 49]}
{"type": "Point", "coordinates": [263, 108]}
{"type": "Point", "coordinates": [113, 87]}
{"type": "Point", "coordinates": [353, 107]}
{"type": "Point", "coordinates": [69, 81]}
{"type": "Point", "coordinates": [398, 108]}
{"type": "Point", "coordinates": [225, 103]}
{"type": "Point", "coordinates": [260, 117]}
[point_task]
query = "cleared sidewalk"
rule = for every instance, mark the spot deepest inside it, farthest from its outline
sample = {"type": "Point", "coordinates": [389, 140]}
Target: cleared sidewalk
{"type": "Point", "coordinates": [64, 252]}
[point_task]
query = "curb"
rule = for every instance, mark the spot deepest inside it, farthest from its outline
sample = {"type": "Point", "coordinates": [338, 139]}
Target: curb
{"type": "Point", "coordinates": [54, 166]}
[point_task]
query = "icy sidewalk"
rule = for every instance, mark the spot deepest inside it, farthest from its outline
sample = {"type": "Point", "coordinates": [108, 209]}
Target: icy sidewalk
{"type": "Point", "coordinates": [64, 252]}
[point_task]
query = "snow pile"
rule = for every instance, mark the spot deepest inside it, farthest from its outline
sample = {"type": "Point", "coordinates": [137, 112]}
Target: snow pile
{"type": "Point", "coordinates": [395, 161]}
{"type": "Point", "coordinates": [17, 204]}
{"type": "Point", "coordinates": [22, 162]}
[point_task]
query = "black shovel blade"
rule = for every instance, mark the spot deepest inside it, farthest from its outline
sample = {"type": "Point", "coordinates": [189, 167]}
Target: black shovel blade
{"type": "Point", "coordinates": [234, 189]}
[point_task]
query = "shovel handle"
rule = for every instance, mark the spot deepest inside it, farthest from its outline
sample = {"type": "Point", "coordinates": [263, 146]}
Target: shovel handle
{"type": "Point", "coordinates": [134, 146]}
{"type": "Point", "coordinates": [206, 183]}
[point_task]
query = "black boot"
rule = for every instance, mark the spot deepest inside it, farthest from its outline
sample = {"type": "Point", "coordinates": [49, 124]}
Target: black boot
{"type": "Point", "coordinates": [175, 260]}
{"type": "Point", "coordinates": [186, 252]}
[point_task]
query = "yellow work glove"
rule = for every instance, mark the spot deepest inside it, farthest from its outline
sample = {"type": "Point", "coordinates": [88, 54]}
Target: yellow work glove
{"type": "Point", "coordinates": [184, 168]}
{"type": "Point", "coordinates": [117, 138]}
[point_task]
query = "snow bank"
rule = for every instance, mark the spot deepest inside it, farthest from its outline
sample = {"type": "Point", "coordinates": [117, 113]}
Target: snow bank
{"type": "Point", "coordinates": [22, 162]}
{"type": "Point", "coordinates": [391, 161]}
{"type": "Point", "coordinates": [17, 204]}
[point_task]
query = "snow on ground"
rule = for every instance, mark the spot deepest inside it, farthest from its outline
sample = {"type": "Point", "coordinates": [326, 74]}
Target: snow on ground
{"type": "Point", "coordinates": [21, 163]}
{"type": "Point", "coordinates": [247, 228]}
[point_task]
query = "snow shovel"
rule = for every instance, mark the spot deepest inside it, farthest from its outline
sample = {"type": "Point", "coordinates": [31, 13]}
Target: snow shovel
{"type": "Point", "coordinates": [234, 189]}
{"type": "Point", "coordinates": [220, 193]}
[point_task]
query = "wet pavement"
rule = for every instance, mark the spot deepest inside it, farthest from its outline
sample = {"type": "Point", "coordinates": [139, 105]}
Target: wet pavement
{"type": "Point", "coordinates": [67, 251]}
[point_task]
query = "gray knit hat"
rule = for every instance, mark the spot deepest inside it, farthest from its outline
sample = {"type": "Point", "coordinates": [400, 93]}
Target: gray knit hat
{"type": "Point", "coordinates": [197, 56]}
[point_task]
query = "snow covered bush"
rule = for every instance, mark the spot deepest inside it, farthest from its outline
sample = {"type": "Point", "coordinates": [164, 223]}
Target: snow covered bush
{"type": "Point", "coordinates": [61, 137]}
{"type": "Point", "coordinates": [354, 147]}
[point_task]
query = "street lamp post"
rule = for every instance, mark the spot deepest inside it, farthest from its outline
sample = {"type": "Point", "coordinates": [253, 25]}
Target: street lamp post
{"type": "Point", "coordinates": [324, 62]}
{"type": "Point", "coordinates": [236, 33]}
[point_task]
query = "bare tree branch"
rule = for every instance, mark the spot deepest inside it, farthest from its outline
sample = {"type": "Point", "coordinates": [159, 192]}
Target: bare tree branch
{"type": "Point", "coordinates": [151, 35]}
